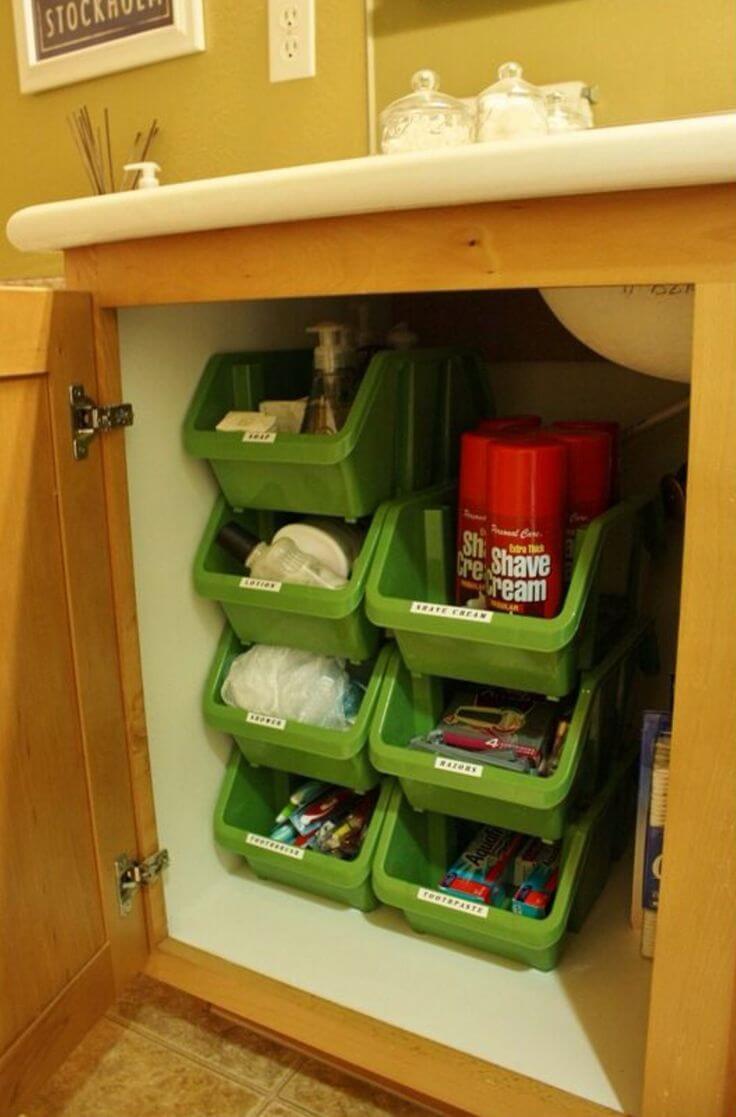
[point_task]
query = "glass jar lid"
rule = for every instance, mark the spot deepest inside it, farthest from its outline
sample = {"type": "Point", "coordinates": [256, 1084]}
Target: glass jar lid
{"type": "Point", "coordinates": [425, 98]}
{"type": "Point", "coordinates": [512, 83]}
{"type": "Point", "coordinates": [425, 118]}
{"type": "Point", "coordinates": [511, 106]}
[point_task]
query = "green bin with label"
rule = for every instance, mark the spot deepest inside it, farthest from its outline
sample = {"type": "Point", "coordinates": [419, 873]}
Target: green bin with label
{"type": "Point", "coordinates": [402, 432]}
{"type": "Point", "coordinates": [415, 850]}
{"type": "Point", "coordinates": [410, 706]}
{"type": "Point", "coordinates": [329, 621]}
{"type": "Point", "coordinates": [411, 590]}
{"type": "Point", "coordinates": [249, 800]}
{"type": "Point", "coordinates": [335, 755]}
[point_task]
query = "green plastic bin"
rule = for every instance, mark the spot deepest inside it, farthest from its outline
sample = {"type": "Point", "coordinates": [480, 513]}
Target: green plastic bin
{"type": "Point", "coordinates": [335, 755]}
{"type": "Point", "coordinates": [402, 432]}
{"type": "Point", "coordinates": [414, 566]}
{"type": "Point", "coordinates": [415, 850]}
{"type": "Point", "coordinates": [247, 805]}
{"type": "Point", "coordinates": [332, 622]}
{"type": "Point", "coordinates": [409, 706]}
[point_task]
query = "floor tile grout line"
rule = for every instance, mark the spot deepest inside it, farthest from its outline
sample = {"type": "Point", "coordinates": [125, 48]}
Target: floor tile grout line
{"type": "Point", "coordinates": [363, 1081]}
{"type": "Point", "coordinates": [141, 1030]}
{"type": "Point", "coordinates": [304, 1111]}
{"type": "Point", "coordinates": [261, 1108]}
{"type": "Point", "coordinates": [293, 1071]}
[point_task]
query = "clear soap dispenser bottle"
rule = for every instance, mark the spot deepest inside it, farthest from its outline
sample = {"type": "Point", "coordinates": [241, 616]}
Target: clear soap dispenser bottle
{"type": "Point", "coordinates": [335, 379]}
{"type": "Point", "coordinates": [511, 107]}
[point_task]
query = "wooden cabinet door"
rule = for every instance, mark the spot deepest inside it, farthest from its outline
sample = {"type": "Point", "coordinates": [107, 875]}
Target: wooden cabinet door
{"type": "Point", "coordinates": [66, 810]}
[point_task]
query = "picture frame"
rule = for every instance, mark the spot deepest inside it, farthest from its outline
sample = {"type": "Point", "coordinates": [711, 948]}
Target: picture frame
{"type": "Point", "coordinates": [60, 42]}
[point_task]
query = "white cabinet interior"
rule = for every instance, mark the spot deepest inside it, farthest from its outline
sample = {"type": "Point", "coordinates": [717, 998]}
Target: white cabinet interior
{"type": "Point", "coordinates": [593, 1007]}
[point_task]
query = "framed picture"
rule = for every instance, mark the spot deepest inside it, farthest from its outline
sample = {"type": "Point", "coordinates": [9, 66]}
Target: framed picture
{"type": "Point", "coordinates": [63, 41]}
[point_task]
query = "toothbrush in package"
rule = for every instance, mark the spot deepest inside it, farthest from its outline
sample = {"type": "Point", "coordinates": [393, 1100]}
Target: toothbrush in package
{"type": "Point", "coordinates": [483, 869]}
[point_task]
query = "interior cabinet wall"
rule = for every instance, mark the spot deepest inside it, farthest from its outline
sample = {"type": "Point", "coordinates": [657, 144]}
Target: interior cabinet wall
{"type": "Point", "coordinates": [163, 352]}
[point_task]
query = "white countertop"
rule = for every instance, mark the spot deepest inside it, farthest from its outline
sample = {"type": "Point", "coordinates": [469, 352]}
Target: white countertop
{"type": "Point", "coordinates": [688, 152]}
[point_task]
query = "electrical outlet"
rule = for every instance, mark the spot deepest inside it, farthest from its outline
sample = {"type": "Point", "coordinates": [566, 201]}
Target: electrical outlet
{"type": "Point", "coordinates": [291, 39]}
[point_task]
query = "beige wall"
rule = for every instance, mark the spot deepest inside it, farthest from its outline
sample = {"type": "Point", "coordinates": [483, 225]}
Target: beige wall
{"type": "Point", "coordinates": [652, 59]}
{"type": "Point", "coordinates": [219, 114]}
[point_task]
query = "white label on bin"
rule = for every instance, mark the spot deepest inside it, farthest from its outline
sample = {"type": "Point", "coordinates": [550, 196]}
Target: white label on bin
{"type": "Point", "coordinates": [456, 612]}
{"type": "Point", "coordinates": [445, 764]}
{"type": "Point", "coordinates": [260, 584]}
{"type": "Point", "coordinates": [470, 907]}
{"type": "Point", "coordinates": [274, 847]}
{"type": "Point", "coordinates": [266, 720]}
{"type": "Point", "coordinates": [259, 436]}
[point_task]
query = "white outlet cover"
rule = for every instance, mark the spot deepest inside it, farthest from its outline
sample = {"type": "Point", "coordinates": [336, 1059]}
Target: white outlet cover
{"type": "Point", "coordinates": [291, 39]}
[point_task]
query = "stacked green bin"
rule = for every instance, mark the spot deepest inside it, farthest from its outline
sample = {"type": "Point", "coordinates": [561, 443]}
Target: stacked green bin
{"type": "Point", "coordinates": [332, 621]}
{"type": "Point", "coordinates": [249, 801]}
{"type": "Point", "coordinates": [335, 755]}
{"type": "Point", "coordinates": [402, 432]}
{"type": "Point", "coordinates": [413, 572]}
{"type": "Point", "coordinates": [415, 850]}
{"type": "Point", "coordinates": [410, 706]}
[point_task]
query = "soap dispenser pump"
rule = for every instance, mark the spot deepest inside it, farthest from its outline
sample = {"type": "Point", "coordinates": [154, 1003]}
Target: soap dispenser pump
{"type": "Point", "coordinates": [334, 380]}
{"type": "Point", "coordinates": [146, 172]}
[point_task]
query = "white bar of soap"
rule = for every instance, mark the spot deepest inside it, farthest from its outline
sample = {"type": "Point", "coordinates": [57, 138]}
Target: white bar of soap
{"type": "Point", "coordinates": [288, 413]}
{"type": "Point", "coordinates": [253, 421]}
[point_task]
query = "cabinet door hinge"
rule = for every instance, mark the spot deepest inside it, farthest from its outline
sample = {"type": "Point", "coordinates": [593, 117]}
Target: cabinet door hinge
{"type": "Point", "coordinates": [132, 875]}
{"type": "Point", "coordinates": [88, 419]}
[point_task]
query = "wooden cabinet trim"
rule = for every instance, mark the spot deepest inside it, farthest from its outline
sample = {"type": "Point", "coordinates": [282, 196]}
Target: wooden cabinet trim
{"type": "Point", "coordinates": [430, 1073]}
{"type": "Point", "coordinates": [644, 236]}
{"type": "Point", "coordinates": [692, 1026]}
{"type": "Point", "coordinates": [684, 235]}
{"type": "Point", "coordinates": [25, 323]}
{"type": "Point", "coordinates": [35, 1055]}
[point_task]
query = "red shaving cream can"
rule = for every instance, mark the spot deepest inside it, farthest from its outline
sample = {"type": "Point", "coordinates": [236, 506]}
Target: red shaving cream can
{"type": "Point", "coordinates": [472, 503]}
{"type": "Point", "coordinates": [612, 429]}
{"type": "Point", "coordinates": [471, 519]}
{"type": "Point", "coordinates": [527, 490]}
{"type": "Point", "coordinates": [589, 481]}
{"type": "Point", "coordinates": [509, 424]}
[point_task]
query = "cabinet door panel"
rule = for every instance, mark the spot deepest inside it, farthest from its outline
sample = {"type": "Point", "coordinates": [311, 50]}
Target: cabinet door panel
{"type": "Point", "coordinates": [65, 795]}
{"type": "Point", "coordinates": [53, 918]}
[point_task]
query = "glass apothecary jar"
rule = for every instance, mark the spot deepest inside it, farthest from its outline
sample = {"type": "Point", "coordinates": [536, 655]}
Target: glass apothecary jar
{"type": "Point", "coordinates": [511, 107]}
{"type": "Point", "coordinates": [426, 118]}
{"type": "Point", "coordinates": [561, 115]}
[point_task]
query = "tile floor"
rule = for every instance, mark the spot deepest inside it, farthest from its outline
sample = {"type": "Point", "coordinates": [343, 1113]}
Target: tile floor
{"type": "Point", "coordinates": [161, 1053]}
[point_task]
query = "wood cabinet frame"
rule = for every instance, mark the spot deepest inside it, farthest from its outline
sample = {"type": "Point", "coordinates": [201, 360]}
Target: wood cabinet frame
{"type": "Point", "coordinates": [685, 235]}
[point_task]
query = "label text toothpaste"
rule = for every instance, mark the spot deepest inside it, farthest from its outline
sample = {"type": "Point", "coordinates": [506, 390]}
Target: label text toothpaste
{"type": "Point", "coordinates": [455, 902]}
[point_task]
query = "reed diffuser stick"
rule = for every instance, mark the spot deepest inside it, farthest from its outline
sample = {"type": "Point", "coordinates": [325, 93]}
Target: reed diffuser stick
{"type": "Point", "coordinates": [152, 133]}
{"type": "Point", "coordinates": [94, 144]}
{"type": "Point", "coordinates": [108, 144]}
